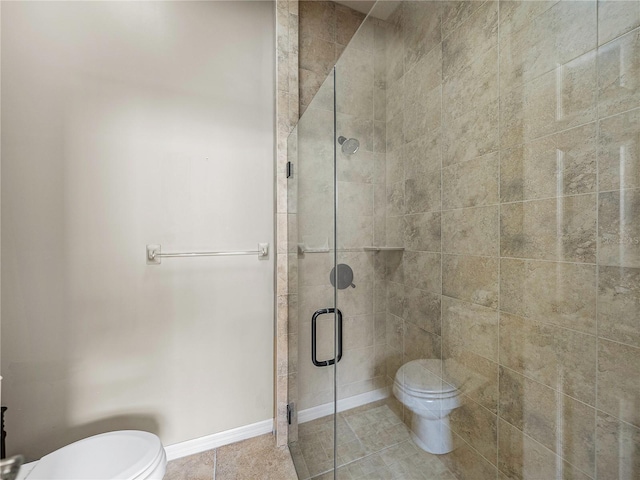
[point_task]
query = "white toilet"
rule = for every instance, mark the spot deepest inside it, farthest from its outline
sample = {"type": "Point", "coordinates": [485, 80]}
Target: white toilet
{"type": "Point", "coordinates": [431, 399]}
{"type": "Point", "coordinates": [121, 455]}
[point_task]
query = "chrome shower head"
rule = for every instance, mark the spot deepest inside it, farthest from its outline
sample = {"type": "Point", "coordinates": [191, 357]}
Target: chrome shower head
{"type": "Point", "coordinates": [349, 146]}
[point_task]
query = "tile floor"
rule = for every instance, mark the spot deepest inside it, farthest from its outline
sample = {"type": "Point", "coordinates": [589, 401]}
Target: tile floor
{"type": "Point", "coordinates": [373, 443]}
{"type": "Point", "coordinates": [255, 459]}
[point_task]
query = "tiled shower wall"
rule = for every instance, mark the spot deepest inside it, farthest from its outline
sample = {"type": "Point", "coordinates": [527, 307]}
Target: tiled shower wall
{"type": "Point", "coordinates": [513, 182]}
{"type": "Point", "coordinates": [326, 28]}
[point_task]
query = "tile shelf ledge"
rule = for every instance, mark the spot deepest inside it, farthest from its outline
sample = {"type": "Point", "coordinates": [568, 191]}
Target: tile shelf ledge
{"type": "Point", "coordinates": [302, 249]}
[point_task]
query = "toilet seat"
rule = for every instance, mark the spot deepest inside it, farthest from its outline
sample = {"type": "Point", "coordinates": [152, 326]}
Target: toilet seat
{"type": "Point", "coordinates": [121, 455]}
{"type": "Point", "coordinates": [416, 378]}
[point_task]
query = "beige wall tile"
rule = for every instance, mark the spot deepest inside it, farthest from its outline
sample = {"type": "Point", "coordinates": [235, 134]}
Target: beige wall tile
{"type": "Point", "coordinates": [619, 151]}
{"type": "Point", "coordinates": [619, 75]}
{"type": "Point", "coordinates": [558, 35]}
{"type": "Point", "coordinates": [617, 448]}
{"type": "Point", "coordinates": [456, 13]}
{"type": "Point", "coordinates": [317, 55]}
{"type": "Point", "coordinates": [464, 45]}
{"type": "Point", "coordinates": [422, 192]}
{"type": "Point", "coordinates": [395, 199]}
{"type": "Point", "coordinates": [618, 381]}
{"type": "Point", "coordinates": [619, 304]}
{"type": "Point", "coordinates": [475, 376]}
{"type": "Point", "coordinates": [421, 112]}
{"type": "Point", "coordinates": [354, 83]}
{"type": "Point", "coordinates": [422, 232]}
{"type": "Point", "coordinates": [514, 15]}
{"type": "Point", "coordinates": [419, 343]}
{"type": "Point", "coordinates": [562, 98]}
{"type": "Point", "coordinates": [562, 359]}
{"type": "Point", "coordinates": [470, 184]}
{"type": "Point", "coordinates": [553, 229]}
{"type": "Point", "coordinates": [522, 457]}
{"type": "Point", "coordinates": [347, 22]}
{"type": "Point", "coordinates": [616, 18]}
{"type": "Point", "coordinates": [471, 135]}
{"type": "Point", "coordinates": [421, 22]}
{"type": "Point", "coordinates": [472, 87]}
{"type": "Point", "coordinates": [466, 463]}
{"type": "Point", "coordinates": [318, 19]}
{"type": "Point", "coordinates": [422, 155]}
{"type": "Point", "coordinates": [618, 228]}
{"type": "Point", "coordinates": [478, 427]}
{"type": "Point", "coordinates": [472, 231]}
{"type": "Point", "coordinates": [466, 326]}
{"type": "Point", "coordinates": [423, 309]}
{"type": "Point", "coordinates": [557, 165]}
{"type": "Point", "coordinates": [473, 279]}
{"type": "Point", "coordinates": [560, 293]}
{"type": "Point", "coordinates": [560, 423]}
{"type": "Point", "coordinates": [421, 270]}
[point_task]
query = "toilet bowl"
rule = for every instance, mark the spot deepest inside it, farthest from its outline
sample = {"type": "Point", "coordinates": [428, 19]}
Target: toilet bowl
{"type": "Point", "coordinates": [430, 399]}
{"type": "Point", "coordinates": [121, 455]}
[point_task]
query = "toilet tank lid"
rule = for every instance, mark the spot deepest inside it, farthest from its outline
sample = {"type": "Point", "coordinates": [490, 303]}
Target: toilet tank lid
{"type": "Point", "coordinates": [419, 376]}
{"type": "Point", "coordinates": [121, 455]}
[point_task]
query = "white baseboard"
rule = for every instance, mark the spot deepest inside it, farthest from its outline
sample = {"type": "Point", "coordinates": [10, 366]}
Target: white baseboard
{"type": "Point", "coordinates": [208, 442]}
{"type": "Point", "coordinates": [345, 404]}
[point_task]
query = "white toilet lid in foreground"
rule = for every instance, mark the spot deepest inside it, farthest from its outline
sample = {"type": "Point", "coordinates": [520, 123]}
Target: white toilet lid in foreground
{"type": "Point", "coordinates": [119, 455]}
{"type": "Point", "coordinates": [418, 376]}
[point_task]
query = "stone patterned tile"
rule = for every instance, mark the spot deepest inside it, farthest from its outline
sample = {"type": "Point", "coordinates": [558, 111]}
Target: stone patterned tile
{"type": "Point", "coordinates": [560, 423]}
{"type": "Point", "coordinates": [553, 166]}
{"type": "Point", "coordinates": [422, 308]}
{"type": "Point", "coordinates": [562, 228]}
{"type": "Point", "coordinates": [619, 151]}
{"type": "Point", "coordinates": [194, 467]}
{"type": "Point", "coordinates": [560, 33]}
{"type": "Point", "coordinates": [523, 458]}
{"type": "Point", "coordinates": [421, 29]}
{"type": "Point", "coordinates": [478, 427]}
{"type": "Point", "coordinates": [617, 448]}
{"type": "Point", "coordinates": [470, 327]}
{"type": "Point", "coordinates": [618, 228]}
{"type": "Point", "coordinates": [619, 304]}
{"type": "Point", "coordinates": [318, 19]}
{"type": "Point", "coordinates": [480, 34]}
{"type": "Point", "coordinates": [475, 376]}
{"type": "Point", "coordinates": [256, 458]}
{"type": "Point", "coordinates": [562, 359]}
{"type": "Point", "coordinates": [472, 183]}
{"type": "Point", "coordinates": [472, 134]}
{"type": "Point", "coordinates": [422, 232]}
{"type": "Point", "coordinates": [616, 18]}
{"type": "Point", "coordinates": [563, 294]}
{"type": "Point", "coordinates": [419, 343]}
{"type": "Point", "coordinates": [619, 75]}
{"type": "Point", "coordinates": [618, 381]}
{"type": "Point", "coordinates": [473, 279]}
{"type": "Point", "coordinates": [347, 23]}
{"type": "Point", "coordinates": [471, 231]}
{"type": "Point", "coordinates": [466, 463]}
{"type": "Point", "coordinates": [472, 87]}
{"type": "Point", "coordinates": [421, 270]}
{"type": "Point", "coordinates": [560, 99]}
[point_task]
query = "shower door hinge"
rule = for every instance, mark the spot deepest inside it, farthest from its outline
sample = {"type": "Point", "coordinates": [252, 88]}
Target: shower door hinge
{"type": "Point", "coordinates": [289, 169]}
{"type": "Point", "coordinates": [290, 408]}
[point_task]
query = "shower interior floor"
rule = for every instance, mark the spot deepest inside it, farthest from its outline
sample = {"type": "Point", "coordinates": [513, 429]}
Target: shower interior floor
{"type": "Point", "coordinates": [373, 443]}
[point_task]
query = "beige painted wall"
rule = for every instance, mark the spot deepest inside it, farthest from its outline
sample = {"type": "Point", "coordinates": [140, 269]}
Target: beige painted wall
{"type": "Point", "coordinates": [124, 124]}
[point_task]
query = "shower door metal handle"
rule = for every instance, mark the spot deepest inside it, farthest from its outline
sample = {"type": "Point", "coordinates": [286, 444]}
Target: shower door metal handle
{"type": "Point", "coordinates": [314, 336]}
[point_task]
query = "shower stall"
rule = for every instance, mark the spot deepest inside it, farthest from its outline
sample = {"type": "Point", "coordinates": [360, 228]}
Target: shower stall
{"type": "Point", "coordinates": [466, 199]}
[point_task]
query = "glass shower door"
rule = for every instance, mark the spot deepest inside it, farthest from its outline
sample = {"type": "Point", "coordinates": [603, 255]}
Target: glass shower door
{"type": "Point", "coordinates": [313, 319]}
